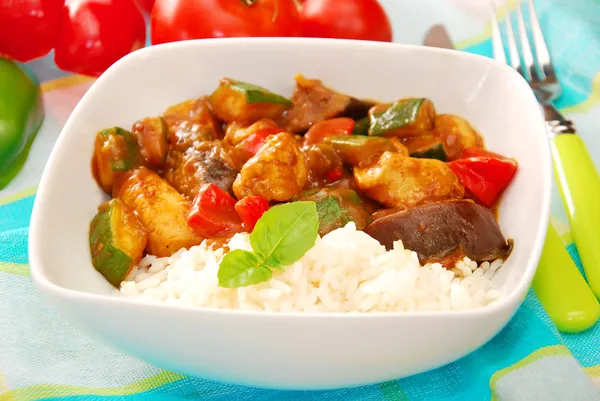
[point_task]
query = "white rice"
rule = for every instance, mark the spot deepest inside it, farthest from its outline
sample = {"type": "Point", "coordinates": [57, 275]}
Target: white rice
{"type": "Point", "coordinates": [345, 271]}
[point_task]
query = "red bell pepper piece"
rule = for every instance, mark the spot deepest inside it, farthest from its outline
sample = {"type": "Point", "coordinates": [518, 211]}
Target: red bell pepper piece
{"type": "Point", "coordinates": [334, 175]}
{"type": "Point", "coordinates": [254, 142]}
{"type": "Point", "coordinates": [213, 213]}
{"type": "Point", "coordinates": [328, 128]}
{"type": "Point", "coordinates": [485, 174]}
{"type": "Point", "coordinates": [251, 209]}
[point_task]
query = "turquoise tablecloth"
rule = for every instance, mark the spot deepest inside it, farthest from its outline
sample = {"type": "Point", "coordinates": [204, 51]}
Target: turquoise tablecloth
{"type": "Point", "coordinates": [43, 357]}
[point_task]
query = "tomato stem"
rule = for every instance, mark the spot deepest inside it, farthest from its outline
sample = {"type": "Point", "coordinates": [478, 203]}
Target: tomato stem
{"type": "Point", "coordinates": [248, 2]}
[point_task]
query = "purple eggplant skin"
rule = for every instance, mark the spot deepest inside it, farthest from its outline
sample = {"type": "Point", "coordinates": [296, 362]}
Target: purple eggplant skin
{"type": "Point", "coordinates": [444, 230]}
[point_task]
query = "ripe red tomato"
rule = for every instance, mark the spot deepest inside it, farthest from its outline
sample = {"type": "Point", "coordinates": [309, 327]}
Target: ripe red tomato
{"type": "Point", "coordinates": [96, 33]}
{"type": "Point", "coordinates": [175, 20]}
{"type": "Point", "coordinates": [345, 19]}
{"type": "Point", "coordinates": [28, 28]}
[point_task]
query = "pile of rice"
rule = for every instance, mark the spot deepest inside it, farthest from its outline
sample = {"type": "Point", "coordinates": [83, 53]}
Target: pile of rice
{"type": "Point", "coordinates": [345, 271]}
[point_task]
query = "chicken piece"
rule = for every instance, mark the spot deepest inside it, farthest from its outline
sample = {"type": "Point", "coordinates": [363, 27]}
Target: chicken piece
{"type": "Point", "coordinates": [191, 121]}
{"type": "Point", "coordinates": [237, 132]}
{"type": "Point", "coordinates": [278, 171]}
{"type": "Point", "coordinates": [403, 182]}
{"type": "Point", "coordinates": [160, 209]}
{"type": "Point", "coordinates": [456, 135]}
{"type": "Point", "coordinates": [312, 102]}
{"type": "Point", "coordinates": [204, 163]}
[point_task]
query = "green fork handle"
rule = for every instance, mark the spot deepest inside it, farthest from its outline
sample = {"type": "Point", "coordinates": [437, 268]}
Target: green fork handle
{"type": "Point", "coordinates": [579, 186]}
{"type": "Point", "coordinates": [561, 289]}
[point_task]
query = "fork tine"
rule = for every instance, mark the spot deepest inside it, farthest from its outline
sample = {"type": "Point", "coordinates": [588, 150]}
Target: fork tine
{"type": "Point", "coordinates": [497, 45]}
{"type": "Point", "coordinates": [541, 50]}
{"type": "Point", "coordinates": [525, 46]}
{"type": "Point", "coordinates": [513, 51]}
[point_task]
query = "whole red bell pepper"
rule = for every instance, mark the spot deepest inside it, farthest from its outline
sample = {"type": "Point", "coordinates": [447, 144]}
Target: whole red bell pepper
{"type": "Point", "coordinates": [95, 34]}
{"type": "Point", "coordinates": [485, 174]}
{"type": "Point", "coordinates": [251, 209]}
{"type": "Point", "coordinates": [213, 213]}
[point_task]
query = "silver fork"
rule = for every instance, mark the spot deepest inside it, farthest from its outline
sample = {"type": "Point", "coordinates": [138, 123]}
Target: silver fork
{"type": "Point", "coordinates": [575, 172]}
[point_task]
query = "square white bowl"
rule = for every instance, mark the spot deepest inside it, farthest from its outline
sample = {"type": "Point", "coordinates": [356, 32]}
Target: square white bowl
{"type": "Point", "coordinates": [281, 350]}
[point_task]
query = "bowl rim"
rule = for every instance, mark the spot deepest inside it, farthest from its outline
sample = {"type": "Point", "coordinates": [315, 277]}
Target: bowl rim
{"type": "Point", "coordinates": [508, 301]}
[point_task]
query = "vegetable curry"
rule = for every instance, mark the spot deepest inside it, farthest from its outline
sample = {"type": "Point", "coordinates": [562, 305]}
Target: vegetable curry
{"type": "Point", "coordinates": [208, 168]}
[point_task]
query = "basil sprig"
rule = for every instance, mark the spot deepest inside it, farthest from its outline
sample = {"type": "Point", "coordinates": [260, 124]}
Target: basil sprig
{"type": "Point", "coordinates": [281, 237]}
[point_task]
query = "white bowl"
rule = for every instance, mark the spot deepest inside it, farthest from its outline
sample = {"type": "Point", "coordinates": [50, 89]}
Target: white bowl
{"type": "Point", "coordinates": [279, 350]}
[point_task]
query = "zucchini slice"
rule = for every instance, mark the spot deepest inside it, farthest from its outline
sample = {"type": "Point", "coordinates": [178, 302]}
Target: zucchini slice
{"type": "Point", "coordinates": [361, 127]}
{"type": "Point", "coordinates": [426, 147]}
{"type": "Point", "coordinates": [244, 102]}
{"type": "Point", "coordinates": [117, 241]}
{"type": "Point", "coordinates": [357, 149]}
{"type": "Point", "coordinates": [115, 150]}
{"type": "Point", "coordinates": [403, 118]}
{"type": "Point", "coordinates": [338, 207]}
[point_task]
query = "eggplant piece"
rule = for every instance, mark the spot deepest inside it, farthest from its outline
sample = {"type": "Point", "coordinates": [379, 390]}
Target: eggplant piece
{"type": "Point", "coordinates": [205, 163]}
{"type": "Point", "coordinates": [336, 208]}
{"type": "Point", "coordinates": [313, 102]}
{"type": "Point", "coordinates": [444, 229]}
{"type": "Point", "coordinates": [358, 109]}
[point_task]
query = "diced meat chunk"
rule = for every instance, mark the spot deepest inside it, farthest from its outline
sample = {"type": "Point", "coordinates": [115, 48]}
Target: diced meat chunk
{"type": "Point", "coordinates": [278, 171]}
{"type": "Point", "coordinates": [403, 182]}
{"type": "Point", "coordinates": [313, 103]}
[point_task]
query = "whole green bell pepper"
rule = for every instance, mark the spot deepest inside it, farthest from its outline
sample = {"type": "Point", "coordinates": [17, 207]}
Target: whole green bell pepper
{"type": "Point", "coordinates": [21, 116]}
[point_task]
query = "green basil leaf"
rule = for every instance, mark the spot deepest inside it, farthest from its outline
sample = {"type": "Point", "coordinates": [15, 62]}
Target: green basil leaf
{"type": "Point", "coordinates": [285, 233]}
{"type": "Point", "coordinates": [241, 268]}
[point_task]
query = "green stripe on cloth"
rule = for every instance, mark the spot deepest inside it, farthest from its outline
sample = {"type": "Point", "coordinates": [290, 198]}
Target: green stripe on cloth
{"type": "Point", "coordinates": [531, 377]}
{"type": "Point", "coordinates": [551, 350]}
{"type": "Point", "coordinates": [14, 268]}
{"type": "Point", "coordinates": [19, 195]}
{"type": "Point", "coordinates": [593, 371]}
{"type": "Point", "coordinates": [40, 391]}
{"type": "Point", "coordinates": [392, 391]}
{"type": "Point", "coordinates": [590, 102]}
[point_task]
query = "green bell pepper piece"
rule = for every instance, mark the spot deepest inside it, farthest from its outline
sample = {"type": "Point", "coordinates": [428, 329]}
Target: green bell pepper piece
{"type": "Point", "coordinates": [21, 116]}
